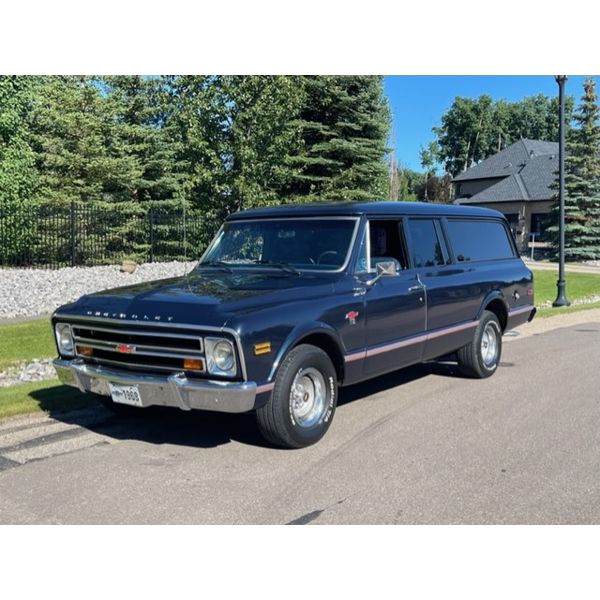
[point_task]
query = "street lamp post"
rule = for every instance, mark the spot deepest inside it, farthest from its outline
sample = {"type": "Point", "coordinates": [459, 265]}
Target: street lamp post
{"type": "Point", "coordinates": [561, 298]}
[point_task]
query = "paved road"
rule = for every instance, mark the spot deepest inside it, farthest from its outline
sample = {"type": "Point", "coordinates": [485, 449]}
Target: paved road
{"type": "Point", "coordinates": [418, 446]}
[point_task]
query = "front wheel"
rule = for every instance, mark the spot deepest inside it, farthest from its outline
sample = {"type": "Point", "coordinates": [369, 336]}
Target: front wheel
{"type": "Point", "coordinates": [303, 400]}
{"type": "Point", "coordinates": [481, 356]}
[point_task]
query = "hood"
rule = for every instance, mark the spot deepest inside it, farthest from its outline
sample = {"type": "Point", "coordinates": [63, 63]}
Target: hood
{"type": "Point", "coordinates": [208, 297]}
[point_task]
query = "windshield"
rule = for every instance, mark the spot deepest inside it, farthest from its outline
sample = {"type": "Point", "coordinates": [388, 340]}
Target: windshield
{"type": "Point", "coordinates": [315, 244]}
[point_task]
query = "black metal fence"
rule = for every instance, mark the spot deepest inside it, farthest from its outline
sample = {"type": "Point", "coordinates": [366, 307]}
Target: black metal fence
{"type": "Point", "coordinates": [59, 235]}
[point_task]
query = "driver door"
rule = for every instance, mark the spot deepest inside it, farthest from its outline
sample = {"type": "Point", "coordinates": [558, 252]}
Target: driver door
{"type": "Point", "coordinates": [395, 305]}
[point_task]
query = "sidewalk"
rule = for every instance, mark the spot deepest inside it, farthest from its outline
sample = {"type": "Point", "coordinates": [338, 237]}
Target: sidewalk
{"type": "Point", "coordinates": [569, 267]}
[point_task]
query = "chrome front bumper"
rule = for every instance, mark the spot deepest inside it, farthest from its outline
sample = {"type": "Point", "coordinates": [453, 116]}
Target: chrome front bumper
{"type": "Point", "coordinates": [161, 390]}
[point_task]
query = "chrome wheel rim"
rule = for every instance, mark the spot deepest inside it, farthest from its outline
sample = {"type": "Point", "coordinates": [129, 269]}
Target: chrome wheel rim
{"type": "Point", "coordinates": [308, 397]}
{"type": "Point", "coordinates": [489, 345]}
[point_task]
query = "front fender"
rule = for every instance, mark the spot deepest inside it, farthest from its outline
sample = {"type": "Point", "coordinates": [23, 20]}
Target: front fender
{"type": "Point", "coordinates": [298, 333]}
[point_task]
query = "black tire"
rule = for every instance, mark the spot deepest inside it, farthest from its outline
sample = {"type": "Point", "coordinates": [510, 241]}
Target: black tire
{"type": "Point", "coordinates": [471, 359]}
{"type": "Point", "coordinates": [280, 421]}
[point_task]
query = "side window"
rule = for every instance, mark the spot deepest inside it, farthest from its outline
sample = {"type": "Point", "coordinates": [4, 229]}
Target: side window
{"type": "Point", "coordinates": [425, 247]}
{"type": "Point", "coordinates": [479, 240]}
{"type": "Point", "coordinates": [386, 243]}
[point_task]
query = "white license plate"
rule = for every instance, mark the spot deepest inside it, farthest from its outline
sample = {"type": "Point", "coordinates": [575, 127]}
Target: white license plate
{"type": "Point", "coordinates": [125, 394]}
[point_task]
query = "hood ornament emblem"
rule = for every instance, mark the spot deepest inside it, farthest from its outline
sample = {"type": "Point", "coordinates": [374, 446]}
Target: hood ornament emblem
{"type": "Point", "coordinates": [125, 348]}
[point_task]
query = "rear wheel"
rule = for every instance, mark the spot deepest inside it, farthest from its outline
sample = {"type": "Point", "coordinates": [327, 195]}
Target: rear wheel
{"type": "Point", "coordinates": [303, 400]}
{"type": "Point", "coordinates": [480, 357]}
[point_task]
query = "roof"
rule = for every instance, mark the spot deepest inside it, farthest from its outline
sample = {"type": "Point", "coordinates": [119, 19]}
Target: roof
{"type": "Point", "coordinates": [344, 208]}
{"type": "Point", "coordinates": [510, 160]}
{"type": "Point", "coordinates": [524, 171]}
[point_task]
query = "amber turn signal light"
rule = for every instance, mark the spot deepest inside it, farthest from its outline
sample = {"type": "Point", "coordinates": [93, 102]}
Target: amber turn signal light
{"type": "Point", "coordinates": [262, 348]}
{"type": "Point", "coordinates": [85, 350]}
{"type": "Point", "coordinates": [194, 364]}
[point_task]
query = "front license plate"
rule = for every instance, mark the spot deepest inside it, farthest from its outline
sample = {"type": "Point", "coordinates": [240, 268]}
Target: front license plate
{"type": "Point", "coordinates": [125, 394]}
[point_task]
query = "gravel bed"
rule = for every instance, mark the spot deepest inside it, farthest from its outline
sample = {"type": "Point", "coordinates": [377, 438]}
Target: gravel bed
{"type": "Point", "coordinates": [576, 302]}
{"type": "Point", "coordinates": [38, 369]}
{"type": "Point", "coordinates": [33, 292]}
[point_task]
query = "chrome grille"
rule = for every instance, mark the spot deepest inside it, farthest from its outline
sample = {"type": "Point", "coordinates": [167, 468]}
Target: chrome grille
{"type": "Point", "coordinates": [138, 348]}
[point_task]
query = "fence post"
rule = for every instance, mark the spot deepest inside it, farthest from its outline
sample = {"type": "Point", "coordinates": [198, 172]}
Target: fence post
{"type": "Point", "coordinates": [72, 227]}
{"type": "Point", "coordinates": [151, 225]}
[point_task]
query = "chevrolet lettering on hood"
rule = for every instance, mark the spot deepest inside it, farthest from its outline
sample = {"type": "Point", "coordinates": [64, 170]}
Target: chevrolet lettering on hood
{"type": "Point", "coordinates": [132, 316]}
{"type": "Point", "coordinates": [289, 303]}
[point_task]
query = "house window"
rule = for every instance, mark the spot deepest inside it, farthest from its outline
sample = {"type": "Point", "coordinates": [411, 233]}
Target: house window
{"type": "Point", "coordinates": [539, 225]}
{"type": "Point", "coordinates": [513, 221]}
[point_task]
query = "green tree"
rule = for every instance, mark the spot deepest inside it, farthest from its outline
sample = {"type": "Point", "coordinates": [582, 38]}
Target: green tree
{"type": "Point", "coordinates": [18, 175]}
{"type": "Point", "coordinates": [473, 129]}
{"type": "Point", "coordinates": [429, 158]}
{"type": "Point", "coordinates": [582, 182]}
{"type": "Point", "coordinates": [465, 134]}
{"type": "Point", "coordinates": [344, 124]}
{"type": "Point", "coordinates": [138, 105]}
{"type": "Point", "coordinates": [261, 133]}
{"type": "Point", "coordinates": [75, 136]}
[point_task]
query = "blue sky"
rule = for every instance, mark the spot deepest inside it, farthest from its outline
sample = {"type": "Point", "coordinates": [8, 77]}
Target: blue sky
{"type": "Point", "coordinates": [418, 101]}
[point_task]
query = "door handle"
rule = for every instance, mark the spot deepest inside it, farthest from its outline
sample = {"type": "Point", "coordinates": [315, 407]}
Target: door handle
{"type": "Point", "coordinates": [359, 291]}
{"type": "Point", "coordinates": [414, 288]}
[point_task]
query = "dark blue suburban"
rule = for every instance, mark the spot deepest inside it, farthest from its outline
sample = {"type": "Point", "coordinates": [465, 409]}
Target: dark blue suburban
{"type": "Point", "coordinates": [290, 302]}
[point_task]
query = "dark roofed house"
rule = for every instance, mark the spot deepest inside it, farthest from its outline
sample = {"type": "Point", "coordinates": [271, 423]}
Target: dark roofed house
{"type": "Point", "coordinates": [518, 182]}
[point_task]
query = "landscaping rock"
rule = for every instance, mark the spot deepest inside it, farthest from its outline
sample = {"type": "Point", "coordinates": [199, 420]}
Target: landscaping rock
{"type": "Point", "coordinates": [32, 292]}
{"type": "Point", "coordinates": [38, 369]}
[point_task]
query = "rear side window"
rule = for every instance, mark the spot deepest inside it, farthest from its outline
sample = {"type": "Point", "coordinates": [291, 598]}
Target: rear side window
{"type": "Point", "coordinates": [425, 247]}
{"type": "Point", "coordinates": [479, 240]}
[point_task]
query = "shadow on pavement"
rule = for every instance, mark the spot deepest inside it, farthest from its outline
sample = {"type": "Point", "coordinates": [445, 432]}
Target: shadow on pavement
{"type": "Point", "coordinates": [157, 425]}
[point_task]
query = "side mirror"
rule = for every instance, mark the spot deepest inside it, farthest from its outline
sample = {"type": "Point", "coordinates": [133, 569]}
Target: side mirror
{"type": "Point", "coordinates": [384, 269]}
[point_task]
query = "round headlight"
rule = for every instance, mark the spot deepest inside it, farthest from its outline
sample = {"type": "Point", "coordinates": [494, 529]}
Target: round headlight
{"type": "Point", "coordinates": [64, 338]}
{"type": "Point", "coordinates": [223, 356]}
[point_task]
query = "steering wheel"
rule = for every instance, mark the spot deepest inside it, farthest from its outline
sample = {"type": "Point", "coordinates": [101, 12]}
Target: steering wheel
{"type": "Point", "coordinates": [334, 252]}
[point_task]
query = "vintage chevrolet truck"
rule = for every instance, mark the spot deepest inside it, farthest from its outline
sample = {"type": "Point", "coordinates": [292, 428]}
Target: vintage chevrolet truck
{"type": "Point", "coordinates": [289, 303]}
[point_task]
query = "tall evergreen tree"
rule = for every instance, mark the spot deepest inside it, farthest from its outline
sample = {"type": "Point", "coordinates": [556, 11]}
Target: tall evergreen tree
{"type": "Point", "coordinates": [75, 135]}
{"type": "Point", "coordinates": [138, 105]}
{"type": "Point", "coordinates": [582, 182]}
{"type": "Point", "coordinates": [261, 132]}
{"type": "Point", "coordinates": [344, 123]}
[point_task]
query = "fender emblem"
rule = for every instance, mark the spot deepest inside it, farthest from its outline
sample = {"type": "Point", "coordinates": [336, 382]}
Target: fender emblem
{"type": "Point", "coordinates": [125, 348]}
{"type": "Point", "coordinates": [351, 316]}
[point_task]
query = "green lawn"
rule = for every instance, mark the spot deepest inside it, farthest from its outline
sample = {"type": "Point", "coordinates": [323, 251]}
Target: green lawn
{"type": "Point", "coordinates": [24, 340]}
{"type": "Point", "coordinates": [48, 396]}
{"type": "Point", "coordinates": [579, 285]}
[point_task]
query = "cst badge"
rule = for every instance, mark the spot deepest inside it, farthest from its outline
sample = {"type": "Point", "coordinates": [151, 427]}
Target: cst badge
{"type": "Point", "coordinates": [351, 316]}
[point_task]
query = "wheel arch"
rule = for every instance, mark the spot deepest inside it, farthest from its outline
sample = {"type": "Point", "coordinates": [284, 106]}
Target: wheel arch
{"type": "Point", "coordinates": [496, 303]}
{"type": "Point", "coordinates": [322, 336]}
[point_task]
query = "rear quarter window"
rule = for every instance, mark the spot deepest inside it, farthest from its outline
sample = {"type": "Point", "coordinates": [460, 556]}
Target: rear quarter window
{"type": "Point", "coordinates": [479, 240]}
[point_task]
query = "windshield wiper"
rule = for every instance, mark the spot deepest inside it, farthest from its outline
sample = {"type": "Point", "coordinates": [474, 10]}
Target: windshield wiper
{"type": "Point", "coordinates": [219, 264]}
{"type": "Point", "coordinates": [280, 265]}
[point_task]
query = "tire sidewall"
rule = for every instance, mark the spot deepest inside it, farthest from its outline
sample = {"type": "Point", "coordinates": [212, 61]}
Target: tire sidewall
{"type": "Point", "coordinates": [488, 318]}
{"type": "Point", "coordinates": [304, 357]}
